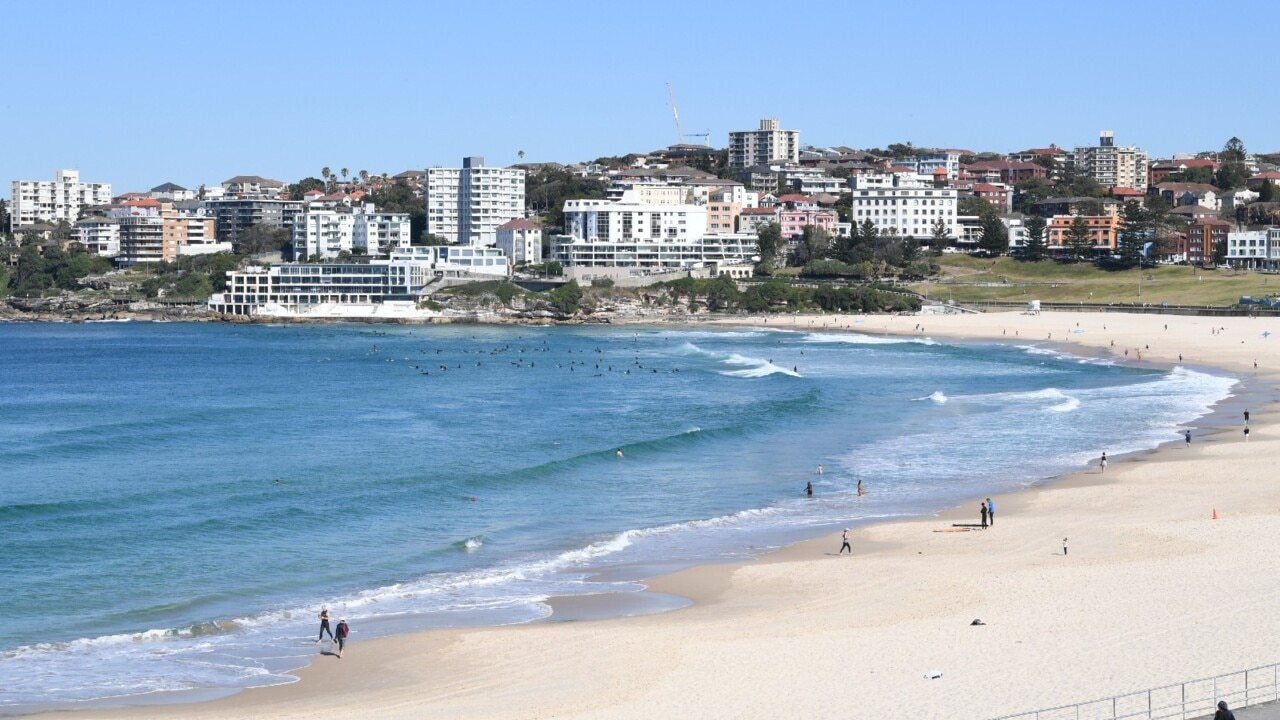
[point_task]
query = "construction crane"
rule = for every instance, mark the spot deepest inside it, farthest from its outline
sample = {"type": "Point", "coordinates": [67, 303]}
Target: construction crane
{"type": "Point", "coordinates": [703, 135]}
{"type": "Point", "coordinates": [671, 98]}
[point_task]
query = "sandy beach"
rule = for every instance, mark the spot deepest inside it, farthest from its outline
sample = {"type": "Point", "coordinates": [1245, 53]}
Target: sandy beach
{"type": "Point", "coordinates": [1153, 591]}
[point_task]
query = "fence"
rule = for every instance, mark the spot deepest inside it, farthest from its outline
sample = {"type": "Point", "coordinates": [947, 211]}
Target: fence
{"type": "Point", "coordinates": [1184, 701]}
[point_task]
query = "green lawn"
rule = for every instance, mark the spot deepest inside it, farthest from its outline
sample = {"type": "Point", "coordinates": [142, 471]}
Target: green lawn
{"type": "Point", "coordinates": [1054, 282]}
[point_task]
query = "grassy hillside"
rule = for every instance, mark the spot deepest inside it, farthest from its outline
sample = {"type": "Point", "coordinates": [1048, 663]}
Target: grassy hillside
{"type": "Point", "coordinates": [968, 279]}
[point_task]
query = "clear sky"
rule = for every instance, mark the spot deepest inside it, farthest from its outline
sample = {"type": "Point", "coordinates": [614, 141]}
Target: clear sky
{"type": "Point", "coordinates": [138, 94]}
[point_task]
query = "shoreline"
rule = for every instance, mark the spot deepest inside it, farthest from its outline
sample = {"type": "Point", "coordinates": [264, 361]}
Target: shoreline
{"type": "Point", "coordinates": [707, 586]}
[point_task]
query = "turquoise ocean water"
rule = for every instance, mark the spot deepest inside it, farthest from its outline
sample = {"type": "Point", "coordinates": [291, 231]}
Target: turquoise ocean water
{"type": "Point", "coordinates": [462, 475]}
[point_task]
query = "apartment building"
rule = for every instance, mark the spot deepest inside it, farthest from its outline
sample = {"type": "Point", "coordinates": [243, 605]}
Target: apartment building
{"type": "Point", "coordinates": [39, 201]}
{"type": "Point", "coordinates": [796, 212]}
{"type": "Point", "coordinates": [234, 216]}
{"type": "Point", "coordinates": [99, 235]}
{"type": "Point", "coordinates": [327, 233]}
{"type": "Point", "coordinates": [1254, 249]}
{"type": "Point", "coordinates": [248, 187]}
{"type": "Point", "coordinates": [521, 241]}
{"type": "Point", "coordinates": [1112, 165]}
{"type": "Point", "coordinates": [467, 205]}
{"type": "Point", "coordinates": [903, 204]}
{"type": "Point", "coordinates": [1104, 230]}
{"type": "Point", "coordinates": [769, 144]}
{"type": "Point", "coordinates": [634, 237]}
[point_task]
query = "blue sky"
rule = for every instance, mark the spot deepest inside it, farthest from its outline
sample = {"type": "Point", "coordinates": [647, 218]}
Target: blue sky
{"type": "Point", "coordinates": [137, 94]}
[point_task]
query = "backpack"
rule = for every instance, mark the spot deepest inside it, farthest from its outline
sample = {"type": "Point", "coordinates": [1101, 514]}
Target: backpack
{"type": "Point", "coordinates": [342, 630]}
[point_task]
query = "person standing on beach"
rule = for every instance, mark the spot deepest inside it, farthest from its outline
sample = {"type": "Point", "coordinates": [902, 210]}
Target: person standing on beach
{"type": "Point", "coordinates": [982, 507]}
{"type": "Point", "coordinates": [844, 542]}
{"type": "Point", "coordinates": [1246, 416]}
{"type": "Point", "coordinates": [343, 631]}
{"type": "Point", "coordinates": [1187, 435]}
{"type": "Point", "coordinates": [324, 624]}
{"type": "Point", "coordinates": [991, 512]}
{"type": "Point", "coordinates": [1246, 433]}
{"type": "Point", "coordinates": [1064, 546]}
{"type": "Point", "coordinates": [1102, 464]}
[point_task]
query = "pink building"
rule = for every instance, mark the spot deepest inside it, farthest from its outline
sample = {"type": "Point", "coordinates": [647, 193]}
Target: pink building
{"type": "Point", "coordinates": [795, 212]}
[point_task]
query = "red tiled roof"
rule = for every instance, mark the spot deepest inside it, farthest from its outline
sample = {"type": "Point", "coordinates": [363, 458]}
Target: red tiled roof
{"type": "Point", "coordinates": [988, 187]}
{"type": "Point", "coordinates": [795, 198]}
{"type": "Point", "coordinates": [1273, 175]}
{"type": "Point", "coordinates": [141, 203]}
{"type": "Point", "coordinates": [901, 169]}
{"type": "Point", "coordinates": [519, 224]}
{"type": "Point", "coordinates": [1127, 191]}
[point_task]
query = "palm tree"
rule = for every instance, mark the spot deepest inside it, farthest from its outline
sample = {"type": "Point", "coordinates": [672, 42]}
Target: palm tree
{"type": "Point", "coordinates": [324, 173]}
{"type": "Point", "coordinates": [520, 154]}
{"type": "Point", "coordinates": [364, 176]}
{"type": "Point", "coordinates": [344, 172]}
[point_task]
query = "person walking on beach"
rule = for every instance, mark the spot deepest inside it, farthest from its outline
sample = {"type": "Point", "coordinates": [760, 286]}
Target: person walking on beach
{"type": "Point", "coordinates": [1102, 464]}
{"type": "Point", "coordinates": [991, 512]}
{"type": "Point", "coordinates": [1246, 433]}
{"type": "Point", "coordinates": [1064, 546]}
{"type": "Point", "coordinates": [343, 631]}
{"type": "Point", "coordinates": [1187, 435]}
{"type": "Point", "coordinates": [982, 507]}
{"type": "Point", "coordinates": [1246, 416]}
{"type": "Point", "coordinates": [808, 489]}
{"type": "Point", "coordinates": [324, 624]}
{"type": "Point", "coordinates": [844, 542]}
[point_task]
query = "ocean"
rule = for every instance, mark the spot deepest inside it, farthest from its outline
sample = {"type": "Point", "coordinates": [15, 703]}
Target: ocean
{"type": "Point", "coordinates": [181, 500]}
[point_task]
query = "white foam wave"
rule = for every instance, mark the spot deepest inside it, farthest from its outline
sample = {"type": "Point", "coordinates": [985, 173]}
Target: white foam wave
{"type": "Point", "coordinates": [937, 396]}
{"type": "Point", "coordinates": [761, 371]}
{"type": "Point", "coordinates": [859, 339]}
{"type": "Point", "coordinates": [473, 543]}
{"type": "Point", "coordinates": [752, 367]}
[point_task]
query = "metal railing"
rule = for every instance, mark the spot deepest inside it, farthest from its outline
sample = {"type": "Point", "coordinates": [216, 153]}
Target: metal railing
{"type": "Point", "coordinates": [1185, 700]}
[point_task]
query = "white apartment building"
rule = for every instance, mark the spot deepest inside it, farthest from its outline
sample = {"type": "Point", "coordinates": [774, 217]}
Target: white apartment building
{"type": "Point", "coordinates": [467, 204]}
{"type": "Point", "coordinates": [521, 241]}
{"type": "Point", "coordinates": [1254, 249]}
{"type": "Point", "coordinates": [38, 201]}
{"type": "Point", "coordinates": [902, 204]}
{"type": "Point", "coordinates": [769, 144]}
{"type": "Point", "coordinates": [326, 233]}
{"type": "Point", "coordinates": [99, 236]}
{"type": "Point", "coordinates": [1112, 165]}
{"type": "Point", "coordinates": [652, 193]}
{"type": "Point", "coordinates": [928, 161]}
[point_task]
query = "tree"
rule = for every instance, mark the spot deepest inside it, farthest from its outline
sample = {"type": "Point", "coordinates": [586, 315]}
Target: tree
{"type": "Point", "coordinates": [567, 297]}
{"type": "Point", "coordinates": [723, 294]}
{"type": "Point", "coordinates": [1134, 233]}
{"type": "Point", "coordinates": [814, 244]}
{"type": "Point", "coordinates": [1029, 192]}
{"type": "Point", "coordinates": [910, 251]}
{"type": "Point", "coordinates": [939, 238]}
{"type": "Point", "coordinates": [1037, 245]}
{"type": "Point", "coordinates": [364, 177]}
{"type": "Point", "coordinates": [1195, 175]}
{"type": "Point", "coordinates": [398, 197]}
{"type": "Point", "coordinates": [995, 236]}
{"type": "Point", "coordinates": [304, 186]}
{"type": "Point", "coordinates": [1266, 193]}
{"type": "Point", "coordinates": [1079, 239]}
{"type": "Point", "coordinates": [262, 238]}
{"type": "Point", "coordinates": [430, 239]}
{"type": "Point", "coordinates": [974, 205]}
{"type": "Point", "coordinates": [344, 172]}
{"type": "Point", "coordinates": [4, 217]}
{"type": "Point", "coordinates": [769, 242]}
{"type": "Point", "coordinates": [324, 173]}
{"type": "Point", "coordinates": [1232, 172]}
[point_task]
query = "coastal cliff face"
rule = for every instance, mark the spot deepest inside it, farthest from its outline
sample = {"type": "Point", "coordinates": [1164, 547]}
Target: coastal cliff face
{"type": "Point", "coordinates": [69, 307]}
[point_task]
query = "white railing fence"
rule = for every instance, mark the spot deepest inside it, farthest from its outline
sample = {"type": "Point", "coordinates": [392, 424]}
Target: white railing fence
{"type": "Point", "coordinates": [1184, 701]}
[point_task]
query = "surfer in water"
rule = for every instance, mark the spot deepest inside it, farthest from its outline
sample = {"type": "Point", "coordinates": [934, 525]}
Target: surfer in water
{"type": "Point", "coordinates": [618, 453]}
{"type": "Point", "coordinates": [808, 489]}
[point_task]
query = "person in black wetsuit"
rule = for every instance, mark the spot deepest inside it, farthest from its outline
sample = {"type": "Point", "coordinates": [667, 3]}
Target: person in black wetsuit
{"type": "Point", "coordinates": [324, 624]}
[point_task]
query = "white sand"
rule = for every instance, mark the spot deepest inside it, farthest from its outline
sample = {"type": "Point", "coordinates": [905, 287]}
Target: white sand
{"type": "Point", "coordinates": [1153, 592]}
